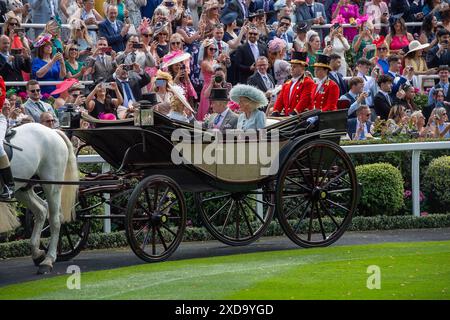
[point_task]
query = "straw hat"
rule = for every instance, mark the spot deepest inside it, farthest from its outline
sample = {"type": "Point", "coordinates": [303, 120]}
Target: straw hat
{"type": "Point", "coordinates": [416, 45]}
{"type": "Point", "coordinates": [164, 75]}
{"type": "Point", "coordinates": [179, 94]}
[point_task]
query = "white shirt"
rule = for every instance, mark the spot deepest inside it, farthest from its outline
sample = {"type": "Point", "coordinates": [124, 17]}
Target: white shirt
{"type": "Point", "coordinates": [358, 124]}
{"type": "Point", "coordinates": [255, 50]}
{"type": "Point", "coordinates": [387, 96]}
{"type": "Point", "coordinates": [320, 83]}
{"type": "Point", "coordinates": [294, 81]}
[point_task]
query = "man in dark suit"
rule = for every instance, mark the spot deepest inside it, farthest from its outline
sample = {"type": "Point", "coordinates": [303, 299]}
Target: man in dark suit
{"type": "Point", "coordinates": [240, 7]}
{"type": "Point", "coordinates": [248, 53]}
{"type": "Point", "coordinates": [261, 79]}
{"type": "Point", "coordinates": [130, 88]}
{"type": "Point", "coordinates": [113, 30]}
{"type": "Point", "coordinates": [402, 8]}
{"type": "Point", "coordinates": [311, 12]}
{"type": "Point", "coordinates": [440, 53]}
{"type": "Point", "coordinates": [359, 128]}
{"type": "Point", "coordinates": [335, 64]}
{"type": "Point", "coordinates": [12, 64]}
{"type": "Point", "coordinates": [382, 102]}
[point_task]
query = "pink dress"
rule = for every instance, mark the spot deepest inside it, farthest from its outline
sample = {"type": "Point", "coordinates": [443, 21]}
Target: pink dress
{"type": "Point", "coordinates": [398, 42]}
{"type": "Point", "coordinates": [203, 107]}
{"type": "Point", "coordinates": [348, 11]}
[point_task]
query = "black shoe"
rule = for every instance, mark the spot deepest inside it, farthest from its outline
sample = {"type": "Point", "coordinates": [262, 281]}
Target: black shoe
{"type": "Point", "coordinates": [7, 192]}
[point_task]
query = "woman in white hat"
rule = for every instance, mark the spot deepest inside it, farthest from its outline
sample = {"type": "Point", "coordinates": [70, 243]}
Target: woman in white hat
{"type": "Point", "coordinates": [414, 58]}
{"type": "Point", "coordinates": [249, 99]}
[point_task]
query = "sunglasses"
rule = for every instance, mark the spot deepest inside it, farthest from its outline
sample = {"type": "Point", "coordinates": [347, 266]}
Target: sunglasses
{"type": "Point", "coordinates": [382, 49]}
{"type": "Point", "coordinates": [253, 33]}
{"type": "Point", "coordinates": [176, 43]}
{"type": "Point", "coordinates": [73, 49]}
{"type": "Point", "coordinates": [284, 24]}
{"type": "Point", "coordinates": [212, 49]}
{"type": "Point", "coordinates": [146, 35]}
{"type": "Point", "coordinates": [13, 24]}
{"type": "Point", "coordinates": [35, 90]}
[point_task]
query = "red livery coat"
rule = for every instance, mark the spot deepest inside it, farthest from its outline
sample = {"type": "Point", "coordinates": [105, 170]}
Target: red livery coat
{"type": "Point", "coordinates": [327, 97]}
{"type": "Point", "coordinates": [300, 99]}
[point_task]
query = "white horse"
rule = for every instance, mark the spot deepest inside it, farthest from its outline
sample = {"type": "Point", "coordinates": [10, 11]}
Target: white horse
{"type": "Point", "coordinates": [48, 154]}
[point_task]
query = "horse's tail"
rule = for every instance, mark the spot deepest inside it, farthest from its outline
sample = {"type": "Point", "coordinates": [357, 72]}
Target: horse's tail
{"type": "Point", "coordinates": [69, 192]}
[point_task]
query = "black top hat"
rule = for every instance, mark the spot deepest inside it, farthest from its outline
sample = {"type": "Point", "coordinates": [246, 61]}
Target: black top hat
{"type": "Point", "coordinates": [302, 26]}
{"type": "Point", "coordinates": [149, 99]}
{"type": "Point", "coordinates": [298, 57]}
{"type": "Point", "coordinates": [220, 94]}
{"type": "Point", "coordinates": [323, 61]}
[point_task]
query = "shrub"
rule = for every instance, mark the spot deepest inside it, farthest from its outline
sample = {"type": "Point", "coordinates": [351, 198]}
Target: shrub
{"type": "Point", "coordinates": [437, 184]}
{"type": "Point", "coordinates": [382, 189]}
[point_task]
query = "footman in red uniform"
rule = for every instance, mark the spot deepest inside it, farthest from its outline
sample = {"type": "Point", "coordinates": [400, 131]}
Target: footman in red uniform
{"type": "Point", "coordinates": [326, 93]}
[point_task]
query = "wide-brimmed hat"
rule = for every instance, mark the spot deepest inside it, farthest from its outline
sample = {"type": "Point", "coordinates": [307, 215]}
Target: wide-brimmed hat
{"type": "Point", "coordinates": [178, 92]}
{"type": "Point", "coordinates": [42, 40]}
{"type": "Point", "coordinates": [163, 75]}
{"type": "Point", "coordinates": [229, 17]}
{"type": "Point", "coordinates": [302, 26]}
{"type": "Point", "coordinates": [175, 57]}
{"type": "Point", "coordinates": [63, 86]}
{"type": "Point", "coordinates": [416, 45]}
{"type": "Point", "coordinates": [159, 27]}
{"type": "Point", "coordinates": [257, 13]}
{"type": "Point", "coordinates": [219, 94]}
{"type": "Point", "coordinates": [249, 92]}
{"type": "Point", "coordinates": [149, 99]}
{"type": "Point", "coordinates": [299, 58]}
{"type": "Point", "coordinates": [323, 61]}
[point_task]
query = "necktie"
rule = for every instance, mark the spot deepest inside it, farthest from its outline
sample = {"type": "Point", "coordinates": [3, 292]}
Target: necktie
{"type": "Point", "coordinates": [217, 119]}
{"type": "Point", "coordinates": [219, 47]}
{"type": "Point", "coordinates": [292, 89]}
{"type": "Point", "coordinates": [365, 78]}
{"type": "Point", "coordinates": [40, 106]}
{"type": "Point", "coordinates": [267, 82]}
{"type": "Point", "coordinates": [244, 8]}
{"type": "Point", "coordinates": [266, 5]}
{"type": "Point", "coordinates": [311, 12]}
{"type": "Point", "coordinates": [133, 57]}
{"type": "Point", "coordinates": [128, 93]}
{"type": "Point", "coordinates": [114, 25]}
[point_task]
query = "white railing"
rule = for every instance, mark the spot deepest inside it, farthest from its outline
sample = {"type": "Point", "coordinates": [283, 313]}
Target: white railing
{"type": "Point", "coordinates": [415, 147]}
{"type": "Point", "coordinates": [42, 83]}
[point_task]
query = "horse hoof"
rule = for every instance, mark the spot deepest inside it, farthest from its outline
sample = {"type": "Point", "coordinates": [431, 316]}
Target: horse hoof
{"type": "Point", "coordinates": [44, 269]}
{"type": "Point", "coordinates": [38, 261]}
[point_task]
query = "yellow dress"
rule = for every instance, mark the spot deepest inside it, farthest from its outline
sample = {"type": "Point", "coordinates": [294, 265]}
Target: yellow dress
{"type": "Point", "coordinates": [99, 7]}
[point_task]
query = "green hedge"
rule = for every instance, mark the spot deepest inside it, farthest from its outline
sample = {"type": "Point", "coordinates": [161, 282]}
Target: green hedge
{"type": "Point", "coordinates": [382, 189]}
{"type": "Point", "coordinates": [437, 183]}
{"type": "Point", "coordinates": [118, 239]}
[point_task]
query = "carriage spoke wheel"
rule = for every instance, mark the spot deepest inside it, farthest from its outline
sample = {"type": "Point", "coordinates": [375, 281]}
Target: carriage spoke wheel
{"type": "Point", "coordinates": [316, 194]}
{"type": "Point", "coordinates": [156, 218]}
{"type": "Point", "coordinates": [73, 236]}
{"type": "Point", "coordinates": [238, 218]}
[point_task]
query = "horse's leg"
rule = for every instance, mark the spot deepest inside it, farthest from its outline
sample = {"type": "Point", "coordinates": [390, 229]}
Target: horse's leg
{"type": "Point", "coordinates": [53, 194]}
{"type": "Point", "coordinates": [33, 202]}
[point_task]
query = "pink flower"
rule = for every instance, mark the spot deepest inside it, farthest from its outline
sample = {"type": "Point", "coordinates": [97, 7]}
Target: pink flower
{"type": "Point", "coordinates": [423, 214]}
{"type": "Point", "coordinates": [22, 95]}
{"type": "Point", "coordinates": [362, 19]}
{"type": "Point", "coordinates": [339, 19]}
{"type": "Point", "coordinates": [407, 193]}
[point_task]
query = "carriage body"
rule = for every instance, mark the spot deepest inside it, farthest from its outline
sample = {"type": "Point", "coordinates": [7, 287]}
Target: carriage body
{"type": "Point", "coordinates": [305, 179]}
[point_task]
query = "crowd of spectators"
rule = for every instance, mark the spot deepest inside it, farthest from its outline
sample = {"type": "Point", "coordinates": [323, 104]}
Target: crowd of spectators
{"type": "Point", "coordinates": [296, 52]}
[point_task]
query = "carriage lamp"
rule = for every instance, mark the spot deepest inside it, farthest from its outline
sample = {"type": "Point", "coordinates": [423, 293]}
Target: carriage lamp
{"type": "Point", "coordinates": [69, 118]}
{"type": "Point", "coordinates": [143, 114]}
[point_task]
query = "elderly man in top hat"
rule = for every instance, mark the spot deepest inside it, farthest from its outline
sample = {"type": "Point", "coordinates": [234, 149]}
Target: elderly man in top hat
{"type": "Point", "coordinates": [326, 93]}
{"type": "Point", "coordinates": [222, 118]}
{"type": "Point", "coordinates": [295, 95]}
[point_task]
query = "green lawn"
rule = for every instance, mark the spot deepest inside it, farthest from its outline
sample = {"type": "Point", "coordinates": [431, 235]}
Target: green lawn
{"type": "Point", "coordinates": [418, 270]}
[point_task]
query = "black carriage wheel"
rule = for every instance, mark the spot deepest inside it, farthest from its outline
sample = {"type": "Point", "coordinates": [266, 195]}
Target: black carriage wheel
{"type": "Point", "coordinates": [156, 218]}
{"type": "Point", "coordinates": [317, 194]}
{"type": "Point", "coordinates": [73, 236]}
{"type": "Point", "coordinates": [237, 219]}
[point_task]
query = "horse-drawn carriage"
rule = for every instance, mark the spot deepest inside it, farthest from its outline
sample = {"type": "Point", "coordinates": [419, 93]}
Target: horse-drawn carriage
{"type": "Point", "coordinates": [309, 183]}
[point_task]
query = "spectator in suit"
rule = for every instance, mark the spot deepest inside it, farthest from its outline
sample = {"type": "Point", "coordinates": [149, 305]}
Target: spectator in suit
{"type": "Point", "coordinates": [222, 118]}
{"type": "Point", "coordinates": [282, 33]}
{"type": "Point", "coordinates": [34, 107]}
{"type": "Point", "coordinates": [439, 54]}
{"type": "Point", "coordinates": [311, 12]}
{"type": "Point", "coordinates": [261, 79]}
{"type": "Point", "coordinates": [356, 96]}
{"type": "Point", "coordinates": [370, 85]}
{"type": "Point", "coordinates": [240, 7]}
{"type": "Point", "coordinates": [130, 88]}
{"type": "Point", "coordinates": [266, 6]}
{"type": "Point", "coordinates": [359, 128]}
{"type": "Point", "coordinates": [43, 10]}
{"type": "Point", "coordinates": [402, 7]}
{"type": "Point", "coordinates": [12, 65]}
{"type": "Point", "coordinates": [133, 55]}
{"type": "Point", "coordinates": [113, 30]}
{"type": "Point", "coordinates": [444, 73]}
{"type": "Point", "coordinates": [335, 75]}
{"type": "Point", "coordinates": [395, 65]}
{"type": "Point", "coordinates": [101, 64]}
{"type": "Point", "coordinates": [248, 53]}
{"type": "Point", "coordinates": [383, 101]}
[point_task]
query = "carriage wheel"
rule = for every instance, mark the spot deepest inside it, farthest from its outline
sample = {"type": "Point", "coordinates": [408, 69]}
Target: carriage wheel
{"type": "Point", "coordinates": [156, 218]}
{"type": "Point", "coordinates": [236, 219]}
{"type": "Point", "coordinates": [317, 194]}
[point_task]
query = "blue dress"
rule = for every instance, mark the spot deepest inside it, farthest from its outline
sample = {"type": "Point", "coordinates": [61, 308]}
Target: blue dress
{"type": "Point", "coordinates": [51, 75]}
{"type": "Point", "coordinates": [193, 50]}
{"type": "Point", "coordinates": [256, 121]}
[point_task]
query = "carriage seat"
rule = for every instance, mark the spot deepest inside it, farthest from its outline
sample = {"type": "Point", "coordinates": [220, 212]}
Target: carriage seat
{"type": "Point", "coordinates": [106, 123]}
